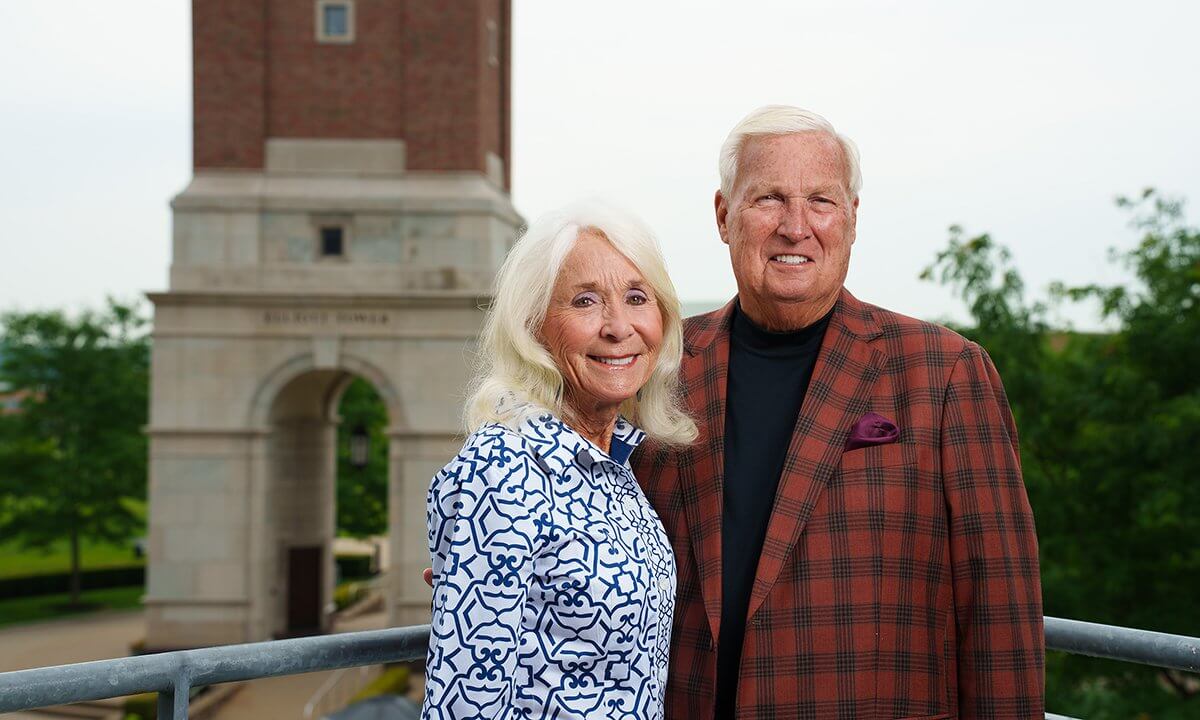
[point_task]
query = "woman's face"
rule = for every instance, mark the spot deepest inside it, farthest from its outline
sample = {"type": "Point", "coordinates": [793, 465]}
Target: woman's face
{"type": "Point", "coordinates": [603, 326]}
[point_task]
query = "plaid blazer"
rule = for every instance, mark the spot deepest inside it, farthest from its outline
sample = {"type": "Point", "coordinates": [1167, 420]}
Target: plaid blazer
{"type": "Point", "coordinates": [895, 581]}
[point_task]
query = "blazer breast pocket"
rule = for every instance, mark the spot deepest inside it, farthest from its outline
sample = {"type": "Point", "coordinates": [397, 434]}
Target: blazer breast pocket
{"type": "Point", "coordinates": [875, 456]}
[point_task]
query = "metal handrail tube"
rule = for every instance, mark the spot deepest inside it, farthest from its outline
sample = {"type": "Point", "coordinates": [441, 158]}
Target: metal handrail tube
{"type": "Point", "coordinates": [171, 674]}
{"type": "Point", "coordinates": [1177, 652]}
{"type": "Point", "coordinates": [163, 672]}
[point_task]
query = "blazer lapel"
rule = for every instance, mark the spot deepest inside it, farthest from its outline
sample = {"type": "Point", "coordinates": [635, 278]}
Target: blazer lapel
{"type": "Point", "coordinates": [702, 464]}
{"type": "Point", "coordinates": [839, 393]}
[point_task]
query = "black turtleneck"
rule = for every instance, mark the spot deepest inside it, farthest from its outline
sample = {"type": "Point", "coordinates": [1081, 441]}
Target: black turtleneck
{"type": "Point", "coordinates": [769, 373]}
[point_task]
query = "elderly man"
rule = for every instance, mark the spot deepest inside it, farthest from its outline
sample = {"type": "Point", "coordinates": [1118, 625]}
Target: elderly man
{"type": "Point", "coordinates": [852, 534]}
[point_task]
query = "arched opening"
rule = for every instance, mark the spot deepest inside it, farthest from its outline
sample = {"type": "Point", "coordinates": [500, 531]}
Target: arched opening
{"type": "Point", "coordinates": [361, 548]}
{"type": "Point", "coordinates": [327, 454]}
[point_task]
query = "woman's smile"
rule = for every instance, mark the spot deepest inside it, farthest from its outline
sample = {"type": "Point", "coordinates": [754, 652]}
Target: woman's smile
{"type": "Point", "coordinates": [617, 362]}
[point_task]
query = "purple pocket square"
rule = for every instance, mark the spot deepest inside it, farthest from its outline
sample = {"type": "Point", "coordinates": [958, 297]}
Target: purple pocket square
{"type": "Point", "coordinates": [872, 429]}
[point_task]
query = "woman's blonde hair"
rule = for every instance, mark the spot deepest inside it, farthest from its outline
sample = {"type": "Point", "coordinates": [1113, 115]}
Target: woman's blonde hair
{"type": "Point", "coordinates": [515, 375]}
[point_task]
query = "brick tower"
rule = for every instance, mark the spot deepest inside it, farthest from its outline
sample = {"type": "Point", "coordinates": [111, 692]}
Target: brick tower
{"type": "Point", "coordinates": [348, 209]}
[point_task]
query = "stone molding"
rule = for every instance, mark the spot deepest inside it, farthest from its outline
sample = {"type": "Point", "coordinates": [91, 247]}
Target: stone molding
{"type": "Point", "coordinates": [459, 193]}
{"type": "Point", "coordinates": [416, 299]}
{"type": "Point", "coordinates": [318, 156]}
{"type": "Point", "coordinates": [192, 601]}
{"type": "Point", "coordinates": [239, 433]}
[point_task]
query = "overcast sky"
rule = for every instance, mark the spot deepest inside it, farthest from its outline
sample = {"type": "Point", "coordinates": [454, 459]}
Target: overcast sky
{"type": "Point", "coordinates": [1022, 119]}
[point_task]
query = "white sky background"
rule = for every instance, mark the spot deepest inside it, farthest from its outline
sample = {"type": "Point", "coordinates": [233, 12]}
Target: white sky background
{"type": "Point", "coordinates": [1022, 119]}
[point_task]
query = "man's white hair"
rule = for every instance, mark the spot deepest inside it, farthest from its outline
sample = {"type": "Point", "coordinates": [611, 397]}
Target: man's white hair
{"type": "Point", "coordinates": [515, 373]}
{"type": "Point", "coordinates": [783, 120]}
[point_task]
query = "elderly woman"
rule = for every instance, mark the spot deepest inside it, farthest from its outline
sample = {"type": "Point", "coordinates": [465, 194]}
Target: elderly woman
{"type": "Point", "coordinates": [554, 582]}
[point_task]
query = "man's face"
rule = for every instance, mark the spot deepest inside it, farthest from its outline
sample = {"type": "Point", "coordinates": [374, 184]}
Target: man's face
{"type": "Point", "coordinates": [789, 223]}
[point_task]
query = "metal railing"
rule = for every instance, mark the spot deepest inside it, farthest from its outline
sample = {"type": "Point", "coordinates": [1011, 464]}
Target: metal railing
{"type": "Point", "coordinates": [173, 674]}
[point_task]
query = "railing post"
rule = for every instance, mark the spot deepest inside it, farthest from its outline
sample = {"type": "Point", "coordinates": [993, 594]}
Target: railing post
{"type": "Point", "coordinates": [173, 703]}
{"type": "Point", "coordinates": [166, 704]}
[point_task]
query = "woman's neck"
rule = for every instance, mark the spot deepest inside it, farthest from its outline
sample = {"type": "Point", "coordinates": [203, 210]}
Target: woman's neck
{"type": "Point", "coordinates": [594, 423]}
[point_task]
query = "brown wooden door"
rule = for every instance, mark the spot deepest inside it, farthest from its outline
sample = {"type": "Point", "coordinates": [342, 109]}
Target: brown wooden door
{"type": "Point", "coordinates": [304, 590]}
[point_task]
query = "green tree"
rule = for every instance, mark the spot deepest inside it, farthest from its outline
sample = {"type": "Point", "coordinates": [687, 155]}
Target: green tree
{"type": "Point", "coordinates": [74, 456]}
{"type": "Point", "coordinates": [1109, 427]}
{"type": "Point", "coordinates": [362, 493]}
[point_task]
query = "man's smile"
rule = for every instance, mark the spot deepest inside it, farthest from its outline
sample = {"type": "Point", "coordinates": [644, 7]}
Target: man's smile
{"type": "Point", "coordinates": [791, 259]}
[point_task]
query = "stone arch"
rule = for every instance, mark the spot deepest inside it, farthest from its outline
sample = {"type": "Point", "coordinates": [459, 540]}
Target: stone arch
{"type": "Point", "coordinates": [259, 411]}
{"type": "Point", "coordinates": [294, 409]}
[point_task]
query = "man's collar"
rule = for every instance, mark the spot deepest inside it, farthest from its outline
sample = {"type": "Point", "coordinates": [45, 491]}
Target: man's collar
{"type": "Point", "coordinates": [848, 312]}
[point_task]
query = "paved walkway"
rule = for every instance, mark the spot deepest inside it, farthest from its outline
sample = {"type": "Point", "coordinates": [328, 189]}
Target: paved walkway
{"type": "Point", "coordinates": [109, 635]}
{"type": "Point", "coordinates": [70, 640]}
{"type": "Point", "coordinates": [58, 642]}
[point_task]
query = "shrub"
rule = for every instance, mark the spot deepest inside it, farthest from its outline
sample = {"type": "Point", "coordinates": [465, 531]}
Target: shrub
{"type": "Point", "coordinates": [393, 681]}
{"type": "Point", "coordinates": [347, 594]}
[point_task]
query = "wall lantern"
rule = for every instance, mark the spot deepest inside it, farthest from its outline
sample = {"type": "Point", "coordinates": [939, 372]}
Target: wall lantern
{"type": "Point", "coordinates": [360, 447]}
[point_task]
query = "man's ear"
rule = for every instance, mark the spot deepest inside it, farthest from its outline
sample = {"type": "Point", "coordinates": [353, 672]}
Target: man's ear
{"type": "Point", "coordinates": [854, 220]}
{"type": "Point", "coordinates": [722, 210]}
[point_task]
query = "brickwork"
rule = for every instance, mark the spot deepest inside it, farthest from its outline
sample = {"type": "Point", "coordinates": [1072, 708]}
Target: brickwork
{"type": "Point", "coordinates": [327, 90]}
{"type": "Point", "coordinates": [229, 82]}
{"type": "Point", "coordinates": [417, 71]}
{"type": "Point", "coordinates": [493, 86]}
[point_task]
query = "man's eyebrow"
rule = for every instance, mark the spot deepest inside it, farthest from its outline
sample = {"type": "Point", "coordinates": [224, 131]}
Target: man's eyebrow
{"type": "Point", "coordinates": [760, 185]}
{"type": "Point", "coordinates": [774, 185]}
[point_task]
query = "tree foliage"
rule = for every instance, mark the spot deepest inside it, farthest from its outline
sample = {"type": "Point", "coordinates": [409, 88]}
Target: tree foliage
{"type": "Point", "coordinates": [74, 456]}
{"type": "Point", "coordinates": [362, 493]}
{"type": "Point", "coordinates": [1110, 431]}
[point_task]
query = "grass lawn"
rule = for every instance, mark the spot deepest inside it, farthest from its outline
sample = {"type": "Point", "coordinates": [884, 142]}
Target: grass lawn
{"type": "Point", "coordinates": [16, 561]}
{"type": "Point", "coordinates": [48, 607]}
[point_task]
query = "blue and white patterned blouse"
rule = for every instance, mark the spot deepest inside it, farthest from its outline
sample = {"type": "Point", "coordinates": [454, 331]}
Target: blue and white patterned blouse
{"type": "Point", "coordinates": [554, 583]}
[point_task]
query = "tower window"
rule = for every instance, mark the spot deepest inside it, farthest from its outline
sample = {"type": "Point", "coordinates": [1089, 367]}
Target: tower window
{"type": "Point", "coordinates": [335, 21]}
{"type": "Point", "coordinates": [493, 43]}
{"type": "Point", "coordinates": [332, 241]}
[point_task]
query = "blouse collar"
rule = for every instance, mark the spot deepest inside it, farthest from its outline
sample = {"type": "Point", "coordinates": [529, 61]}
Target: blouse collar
{"type": "Point", "coordinates": [556, 440]}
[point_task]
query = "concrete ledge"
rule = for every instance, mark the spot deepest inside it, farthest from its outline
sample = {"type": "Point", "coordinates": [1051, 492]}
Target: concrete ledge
{"type": "Point", "coordinates": [239, 433]}
{"type": "Point", "coordinates": [187, 601]}
{"type": "Point", "coordinates": [313, 156]}
{"type": "Point", "coordinates": [458, 299]}
{"type": "Point", "coordinates": [495, 169]}
{"type": "Point", "coordinates": [457, 193]}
